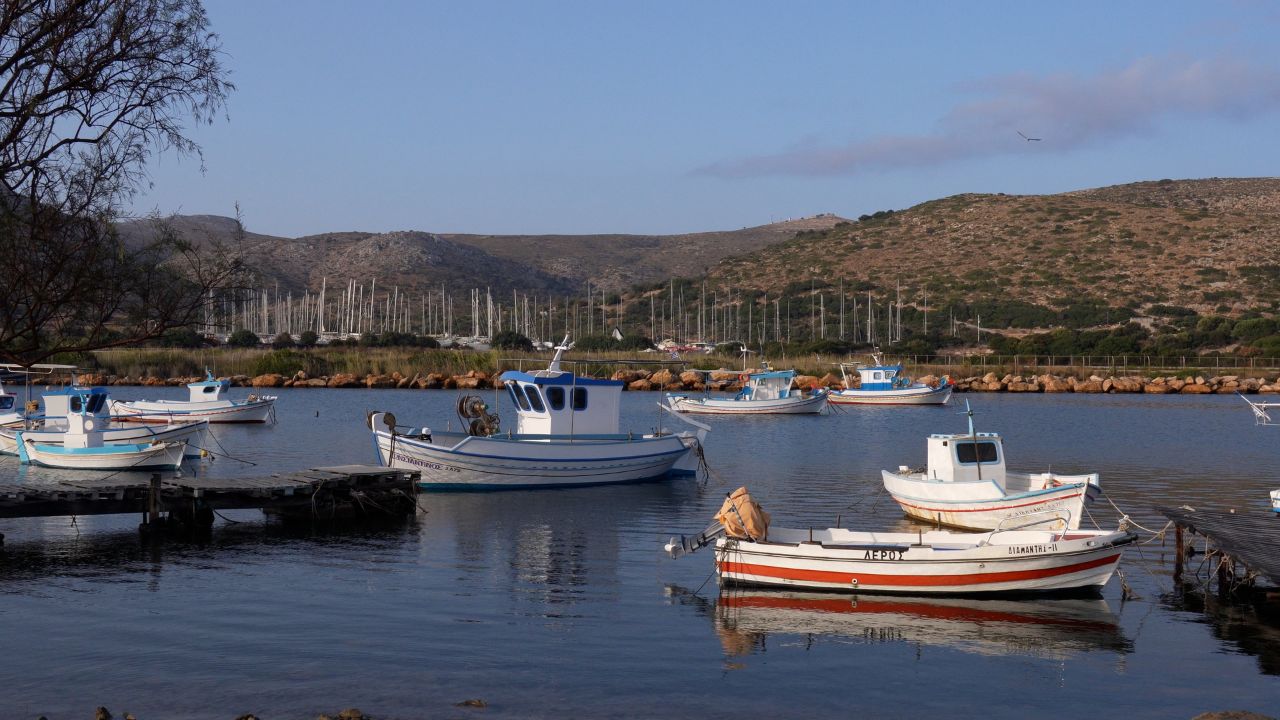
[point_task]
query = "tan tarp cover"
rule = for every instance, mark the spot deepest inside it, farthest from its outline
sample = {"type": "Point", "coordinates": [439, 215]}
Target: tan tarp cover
{"type": "Point", "coordinates": [748, 513]}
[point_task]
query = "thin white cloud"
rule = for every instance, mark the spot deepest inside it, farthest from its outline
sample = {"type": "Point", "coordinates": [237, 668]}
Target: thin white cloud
{"type": "Point", "coordinates": [1067, 111]}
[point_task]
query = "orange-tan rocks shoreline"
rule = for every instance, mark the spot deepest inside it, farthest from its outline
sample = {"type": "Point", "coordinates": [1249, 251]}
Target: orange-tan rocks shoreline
{"type": "Point", "coordinates": [727, 380]}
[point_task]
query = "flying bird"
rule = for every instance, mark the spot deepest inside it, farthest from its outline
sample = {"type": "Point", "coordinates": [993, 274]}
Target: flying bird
{"type": "Point", "coordinates": [1028, 139]}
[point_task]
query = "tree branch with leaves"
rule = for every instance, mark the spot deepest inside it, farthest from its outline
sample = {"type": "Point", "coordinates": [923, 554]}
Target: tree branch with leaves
{"type": "Point", "coordinates": [89, 90]}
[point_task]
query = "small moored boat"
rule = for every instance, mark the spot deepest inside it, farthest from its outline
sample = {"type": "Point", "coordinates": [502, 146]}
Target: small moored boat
{"type": "Point", "coordinates": [882, 384]}
{"type": "Point", "coordinates": [766, 392]}
{"type": "Point", "coordinates": [203, 403]}
{"type": "Point", "coordinates": [82, 446]}
{"type": "Point", "coordinates": [938, 562]}
{"type": "Point", "coordinates": [1275, 500]}
{"type": "Point", "coordinates": [52, 429]}
{"type": "Point", "coordinates": [966, 485]}
{"type": "Point", "coordinates": [566, 435]}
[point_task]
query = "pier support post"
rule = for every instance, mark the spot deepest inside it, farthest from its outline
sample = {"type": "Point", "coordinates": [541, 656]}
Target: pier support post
{"type": "Point", "coordinates": [1179, 551]}
{"type": "Point", "coordinates": [1223, 583]}
{"type": "Point", "coordinates": [153, 500]}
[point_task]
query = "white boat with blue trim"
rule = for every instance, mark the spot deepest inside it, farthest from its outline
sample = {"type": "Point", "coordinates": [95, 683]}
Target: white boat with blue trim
{"type": "Point", "coordinates": [1275, 500]}
{"type": "Point", "coordinates": [51, 427]}
{"type": "Point", "coordinates": [10, 410]}
{"type": "Point", "coordinates": [204, 403]}
{"type": "Point", "coordinates": [82, 446]}
{"type": "Point", "coordinates": [966, 485]}
{"type": "Point", "coordinates": [566, 435]}
{"type": "Point", "coordinates": [765, 392]}
{"type": "Point", "coordinates": [884, 384]}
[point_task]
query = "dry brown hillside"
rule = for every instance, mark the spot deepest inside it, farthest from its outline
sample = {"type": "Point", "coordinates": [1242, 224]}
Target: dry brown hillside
{"type": "Point", "coordinates": [617, 262]}
{"type": "Point", "coordinates": [1211, 245]}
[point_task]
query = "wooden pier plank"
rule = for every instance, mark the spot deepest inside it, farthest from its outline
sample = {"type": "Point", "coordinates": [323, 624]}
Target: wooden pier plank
{"type": "Point", "coordinates": [1252, 538]}
{"type": "Point", "coordinates": [88, 496]}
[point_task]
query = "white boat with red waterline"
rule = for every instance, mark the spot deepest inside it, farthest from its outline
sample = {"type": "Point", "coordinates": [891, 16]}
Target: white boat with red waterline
{"type": "Point", "coordinates": [937, 562]}
{"type": "Point", "coordinates": [204, 403]}
{"type": "Point", "coordinates": [966, 485]}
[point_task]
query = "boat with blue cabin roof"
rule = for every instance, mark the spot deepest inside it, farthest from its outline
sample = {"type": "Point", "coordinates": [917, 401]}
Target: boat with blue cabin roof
{"type": "Point", "coordinates": [764, 392]}
{"type": "Point", "coordinates": [204, 402]}
{"type": "Point", "coordinates": [881, 383]}
{"type": "Point", "coordinates": [83, 448]}
{"type": "Point", "coordinates": [567, 435]}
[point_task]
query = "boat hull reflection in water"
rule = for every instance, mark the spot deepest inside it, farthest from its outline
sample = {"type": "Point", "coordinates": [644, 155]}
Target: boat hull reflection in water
{"type": "Point", "coordinates": [1045, 628]}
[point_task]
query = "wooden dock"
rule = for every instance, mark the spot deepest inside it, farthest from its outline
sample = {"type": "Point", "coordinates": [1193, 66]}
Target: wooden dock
{"type": "Point", "coordinates": [1240, 547]}
{"type": "Point", "coordinates": [325, 492]}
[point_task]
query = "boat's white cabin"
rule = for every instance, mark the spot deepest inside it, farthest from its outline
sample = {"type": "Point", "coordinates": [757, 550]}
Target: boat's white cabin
{"type": "Point", "coordinates": [966, 458]}
{"type": "Point", "coordinates": [208, 389]}
{"type": "Point", "coordinates": [769, 385]}
{"type": "Point", "coordinates": [72, 400]}
{"type": "Point", "coordinates": [88, 414]}
{"type": "Point", "coordinates": [557, 402]}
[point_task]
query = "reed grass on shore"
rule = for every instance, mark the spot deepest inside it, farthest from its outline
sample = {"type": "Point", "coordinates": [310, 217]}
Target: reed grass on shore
{"type": "Point", "coordinates": [178, 362]}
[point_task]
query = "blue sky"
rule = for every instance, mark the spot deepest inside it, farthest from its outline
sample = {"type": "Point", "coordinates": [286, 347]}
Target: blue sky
{"type": "Point", "coordinates": [665, 117]}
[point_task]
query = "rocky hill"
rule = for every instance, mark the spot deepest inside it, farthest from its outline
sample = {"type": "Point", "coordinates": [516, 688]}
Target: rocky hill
{"type": "Point", "coordinates": [1167, 246]}
{"type": "Point", "coordinates": [617, 262]}
{"type": "Point", "coordinates": [415, 260]}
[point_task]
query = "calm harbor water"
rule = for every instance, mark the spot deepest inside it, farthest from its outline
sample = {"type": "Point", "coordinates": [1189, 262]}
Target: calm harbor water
{"type": "Point", "coordinates": [561, 603]}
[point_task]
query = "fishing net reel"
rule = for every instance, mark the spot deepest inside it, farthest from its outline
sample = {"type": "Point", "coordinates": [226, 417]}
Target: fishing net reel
{"type": "Point", "coordinates": [476, 418]}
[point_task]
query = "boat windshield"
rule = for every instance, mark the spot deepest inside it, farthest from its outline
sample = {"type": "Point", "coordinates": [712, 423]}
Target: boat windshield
{"type": "Point", "coordinates": [535, 398]}
{"type": "Point", "coordinates": [518, 397]}
{"type": "Point", "coordinates": [971, 452]}
{"type": "Point", "coordinates": [6, 402]}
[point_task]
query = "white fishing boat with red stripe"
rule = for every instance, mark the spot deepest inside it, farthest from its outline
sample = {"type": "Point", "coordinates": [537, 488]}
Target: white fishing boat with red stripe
{"type": "Point", "coordinates": [935, 562]}
{"type": "Point", "coordinates": [204, 403]}
{"type": "Point", "coordinates": [966, 485]}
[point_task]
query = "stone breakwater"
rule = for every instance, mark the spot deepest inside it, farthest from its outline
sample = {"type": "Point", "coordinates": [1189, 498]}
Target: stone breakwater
{"type": "Point", "coordinates": [731, 381]}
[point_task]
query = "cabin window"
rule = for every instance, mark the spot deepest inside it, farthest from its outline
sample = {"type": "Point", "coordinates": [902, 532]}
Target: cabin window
{"type": "Point", "coordinates": [535, 398]}
{"type": "Point", "coordinates": [518, 397]}
{"type": "Point", "coordinates": [76, 404]}
{"type": "Point", "coordinates": [95, 403]}
{"type": "Point", "coordinates": [878, 375]}
{"type": "Point", "coordinates": [969, 452]}
{"type": "Point", "coordinates": [579, 398]}
{"type": "Point", "coordinates": [555, 398]}
{"type": "Point", "coordinates": [209, 389]}
{"type": "Point", "coordinates": [6, 403]}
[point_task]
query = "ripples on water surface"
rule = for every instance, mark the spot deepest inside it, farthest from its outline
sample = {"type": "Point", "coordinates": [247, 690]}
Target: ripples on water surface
{"type": "Point", "coordinates": [561, 604]}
